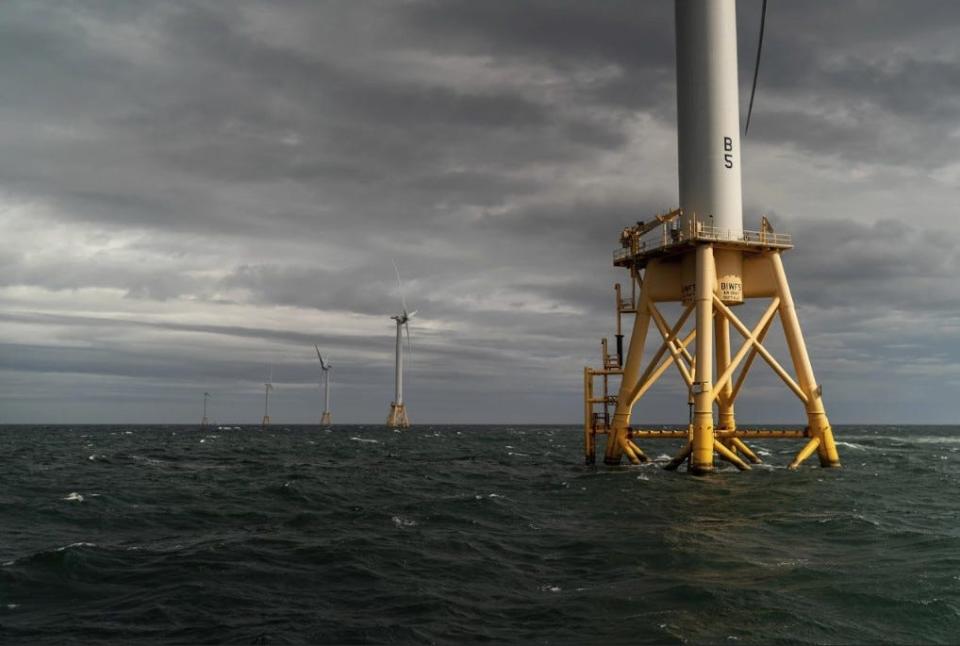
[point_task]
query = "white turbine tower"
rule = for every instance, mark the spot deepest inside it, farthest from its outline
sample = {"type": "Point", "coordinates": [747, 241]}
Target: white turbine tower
{"type": "Point", "coordinates": [325, 367]}
{"type": "Point", "coordinates": [266, 401]}
{"type": "Point", "coordinates": [398, 411]}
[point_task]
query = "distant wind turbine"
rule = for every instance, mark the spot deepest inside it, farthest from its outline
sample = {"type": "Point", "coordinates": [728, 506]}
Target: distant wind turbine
{"type": "Point", "coordinates": [266, 401]}
{"type": "Point", "coordinates": [398, 411]}
{"type": "Point", "coordinates": [204, 422]}
{"type": "Point", "coordinates": [325, 367]}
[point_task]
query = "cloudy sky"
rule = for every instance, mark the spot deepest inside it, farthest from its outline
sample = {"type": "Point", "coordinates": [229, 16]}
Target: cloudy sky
{"type": "Point", "coordinates": [193, 193]}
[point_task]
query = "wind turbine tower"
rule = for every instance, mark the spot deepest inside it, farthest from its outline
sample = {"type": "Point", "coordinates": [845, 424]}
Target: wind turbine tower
{"type": "Point", "coordinates": [268, 386]}
{"type": "Point", "coordinates": [701, 257]}
{"type": "Point", "coordinates": [325, 368]}
{"type": "Point", "coordinates": [204, 422]}
{"type": "Point", "coordinates": [398, 410]}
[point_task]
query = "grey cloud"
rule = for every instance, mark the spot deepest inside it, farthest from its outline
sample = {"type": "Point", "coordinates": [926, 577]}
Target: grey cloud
{"type": "Point", "coordinates": [562, 33]}
{"type": "Point", "coordinates": [278, 155]}
{"type": "Point", "coordinates": [883, 265]}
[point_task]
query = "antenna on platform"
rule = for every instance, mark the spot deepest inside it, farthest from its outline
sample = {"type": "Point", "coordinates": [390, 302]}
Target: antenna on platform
{"type": "Point", "coordinates": [398, 410]}
{"type": "Point", "coordinates": [268, 386]}
{"type": "Point", "coordinates": [708, 263]}
{"type": "Point", "coordinates": [325, 368]}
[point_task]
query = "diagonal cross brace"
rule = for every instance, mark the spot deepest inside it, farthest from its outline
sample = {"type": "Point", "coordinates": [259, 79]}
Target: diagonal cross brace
{"type": "Point", "coordinates": [644, 384]}
{"type": "Point", "coordinates": [669, 338]}
{"type": "Point", "coordinates": [749, 360]}
{"type": "Point", "coordinates": [748, 346]}
{"type": "Point", "coordinates": [750, 338]}
{"type": "Point", "coordinates": [653, 371]}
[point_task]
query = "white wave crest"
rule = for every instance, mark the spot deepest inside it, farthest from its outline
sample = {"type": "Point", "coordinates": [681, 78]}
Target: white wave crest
{"type": "Point", "coordinates": [78, 544]}
{"type": "Point", "coordinates": [852, 445]}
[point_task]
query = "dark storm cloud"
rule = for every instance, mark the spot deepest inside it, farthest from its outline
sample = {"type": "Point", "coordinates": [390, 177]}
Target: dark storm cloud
{"type": "Point", "coordinates": [482, 188]}
{"type": "Point", "coordinates": [101, 323]}
{"type": "Point", "coordinates": [195, 190]}
{"type": "Point", "coordinates": [556, 33]}
{"type": "Point", "coordinates": [564, 223]}
{"type": "Point", "coordinates": [874, 268]}
{"type": "Point", "coordinates": [867, 81]}
{"type": "Point", "coordinates": [632, 43]}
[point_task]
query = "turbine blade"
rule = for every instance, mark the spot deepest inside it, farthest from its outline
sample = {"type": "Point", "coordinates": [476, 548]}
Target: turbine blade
{"type": "Point", "coordinates": [323, 366]}
{"type": "Point", "coordinates": [409, 345]}
{"type": "Point", "coordinates": [403, 301]}
{"type": "Point", "coordinates": [412, 314]}
{"type": "Point", "coordinates": [756, 67]}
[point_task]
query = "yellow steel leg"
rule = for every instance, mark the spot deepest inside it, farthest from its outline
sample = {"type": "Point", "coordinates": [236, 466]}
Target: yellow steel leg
{"type": "Point", "coordinates": [679, 457]}
{"type": "Point", "coordinates": [631, 373]}
{"type": "Point", "coordinates": [805, 452]}
{"type": "Point", "coordinates": [631, 455]}
{"type": "Point", "coordinates": [589, 438]}
{"type": "Point", "coordinates": [701, 460]}
{"type": "Point", "coordinates": [741, 446]}
{"type": "Point", "coordinates": [816, 416]}
{"type": "Point", "coordinates": [730, 456]}
{"type": "Point", "coordinates": [725, 417]}
{"type": "Point", "coordinates": [636, 449]}
{"type": "Point", "coordinates": [820, 427]}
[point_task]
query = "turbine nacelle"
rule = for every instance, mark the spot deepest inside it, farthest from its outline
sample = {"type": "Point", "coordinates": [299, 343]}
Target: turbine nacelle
{"type": "Point", "coordinates": [403, 318]}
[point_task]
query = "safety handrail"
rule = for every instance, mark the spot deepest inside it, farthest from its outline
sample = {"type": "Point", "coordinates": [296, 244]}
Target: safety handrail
{"type": "Point", "coordinates": [659, 239]}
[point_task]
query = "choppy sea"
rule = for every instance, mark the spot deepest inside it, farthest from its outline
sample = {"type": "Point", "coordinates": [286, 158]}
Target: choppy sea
{"type": "Point", "coordinates": [444, 534]}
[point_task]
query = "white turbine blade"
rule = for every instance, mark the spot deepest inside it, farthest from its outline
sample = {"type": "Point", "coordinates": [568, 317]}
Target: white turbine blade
{"type": "Point", "coordinates": [403, 301]}
{"type": "Point", "coordinates": [412, 314]}
{"type": "Point", "coordinates": [319, 356]}
{"type": "Point", "coordinates": [409, 345]}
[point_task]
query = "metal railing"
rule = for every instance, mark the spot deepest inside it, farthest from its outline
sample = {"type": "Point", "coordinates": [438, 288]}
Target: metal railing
{"type": "Point", "coordinates": [668, 237]}
{"type": "Point", "coordinates": [706, 232]}
{"type": "Point", "coordinates": [767, 237]}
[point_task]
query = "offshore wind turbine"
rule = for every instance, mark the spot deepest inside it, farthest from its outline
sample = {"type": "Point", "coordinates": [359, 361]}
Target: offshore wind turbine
{"type": "Point", "coordinates": [268, 386]}
{"type": "Point", "coordinates": [325, 367]}
{"type": "Point", "coordinates": [203, 421]}
{"type": "Point", "coordinates": [701, 256]}
{"type": "Point", "coordinates": [398, 410]}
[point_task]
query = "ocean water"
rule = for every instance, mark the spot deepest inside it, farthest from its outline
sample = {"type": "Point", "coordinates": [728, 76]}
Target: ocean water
{"type": "Point", "coordinates": [136, 535]}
